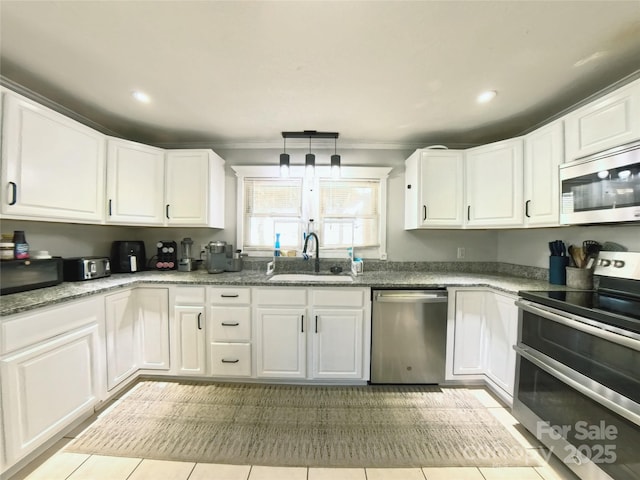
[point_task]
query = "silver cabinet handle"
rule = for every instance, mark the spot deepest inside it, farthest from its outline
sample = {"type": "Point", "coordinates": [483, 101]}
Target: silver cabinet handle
{"type": "Point", "coordinates": [227, 324]}
{"type": "Point", "coordinates": [436, 297]}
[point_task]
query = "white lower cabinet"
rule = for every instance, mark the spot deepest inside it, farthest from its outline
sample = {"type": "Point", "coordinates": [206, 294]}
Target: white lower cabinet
{"type": "Point", "coordinates": [153, 328]}
{"type": "Point", "coordinates": [50, 364]}
{"type": "Point", "coordinates": [189, 335]}
{"type": "Point", "coordinates": [501, 315]}
{"type": "Point", "coordinates": [312, 333]}
{"type": "Point", "coordinates": [482, 329]}
{"type": "Point", "coordinates": [122, 351]}
{"type": "Point", "coordinates": [229, 331]}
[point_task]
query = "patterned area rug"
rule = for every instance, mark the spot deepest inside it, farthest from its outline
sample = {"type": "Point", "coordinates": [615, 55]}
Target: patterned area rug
{"type": "Point", "coordinates": [314, 426]}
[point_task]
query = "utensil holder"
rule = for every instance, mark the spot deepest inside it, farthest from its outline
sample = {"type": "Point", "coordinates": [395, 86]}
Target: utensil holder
{"type": "Point", "coordinates": [580, 278]}
{"type": "Point", "coordinates": [557, 272]}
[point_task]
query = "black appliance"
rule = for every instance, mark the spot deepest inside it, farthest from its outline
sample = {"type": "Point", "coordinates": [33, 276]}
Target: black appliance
{"type": "Point", "coordinates": [85, 268]}
{"type": "Point", "coordinates": [128, 256]}
{"type": "Point", "coordinates": [24, 275]}
{"type": "Point", "coordinates": [167, 256]}
{"type": "Point", "coordinates": [578, 370]}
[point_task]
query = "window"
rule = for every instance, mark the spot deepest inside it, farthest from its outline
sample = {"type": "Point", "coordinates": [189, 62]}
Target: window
{"type": "Point", "coordinates": [344, 212]}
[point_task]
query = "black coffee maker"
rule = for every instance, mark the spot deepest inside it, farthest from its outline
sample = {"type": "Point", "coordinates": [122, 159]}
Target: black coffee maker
{"type": "Point", "coordinates": [128, 256]}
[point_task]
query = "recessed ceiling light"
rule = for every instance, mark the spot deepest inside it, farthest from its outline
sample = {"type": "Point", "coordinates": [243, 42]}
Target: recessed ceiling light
{"type": "Point", "coordinates": [487, 96]}
{"type": "Point", "coordinates": [141, 96]}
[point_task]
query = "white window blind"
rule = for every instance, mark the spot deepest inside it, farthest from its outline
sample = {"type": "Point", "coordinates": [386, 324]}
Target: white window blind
{"type": "Point", "coordinates": [349, 213]}
{"type": "Point", "coordinates": [272, 206]}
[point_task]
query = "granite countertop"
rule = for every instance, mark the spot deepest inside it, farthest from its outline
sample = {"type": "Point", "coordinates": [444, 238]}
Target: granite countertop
{"type": "Point", "coordinates": [20, 302]}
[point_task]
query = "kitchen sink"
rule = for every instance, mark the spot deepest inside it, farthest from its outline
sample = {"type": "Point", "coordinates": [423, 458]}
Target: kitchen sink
{"type": "Point", "coordinates": [309, 277]}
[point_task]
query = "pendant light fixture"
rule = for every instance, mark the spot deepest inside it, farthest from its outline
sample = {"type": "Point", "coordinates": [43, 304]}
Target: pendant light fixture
{"type": "Point", "coordinates": [310, 162]}
{"type": "Point", "coordinates": [335, 160]}
{"type": "Point", "coordinates": [284, 160]}
{"type": "Point", "coordinates": [310, 158]}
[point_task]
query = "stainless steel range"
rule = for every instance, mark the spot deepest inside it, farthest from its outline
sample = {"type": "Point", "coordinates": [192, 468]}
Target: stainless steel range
{"type": "Point", "coordinates": [578, 370]}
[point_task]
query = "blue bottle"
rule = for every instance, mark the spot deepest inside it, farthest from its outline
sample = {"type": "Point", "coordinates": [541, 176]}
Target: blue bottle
{"type": "Point", "coordinates": [276, 253]}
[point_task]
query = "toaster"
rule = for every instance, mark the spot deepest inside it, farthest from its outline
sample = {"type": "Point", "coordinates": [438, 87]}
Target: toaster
{"type": "Point", "coordinates": [85, 268]}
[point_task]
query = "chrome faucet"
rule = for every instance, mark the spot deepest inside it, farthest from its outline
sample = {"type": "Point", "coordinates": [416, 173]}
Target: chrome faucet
{"type": "Point", "coordinates": [317, 258]}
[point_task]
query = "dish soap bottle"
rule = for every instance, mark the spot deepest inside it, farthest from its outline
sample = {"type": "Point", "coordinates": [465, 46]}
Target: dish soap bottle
{"type": "Point", "coordinates": [276, 253]}
{"type": "Point", "coordinates": [21, 247]}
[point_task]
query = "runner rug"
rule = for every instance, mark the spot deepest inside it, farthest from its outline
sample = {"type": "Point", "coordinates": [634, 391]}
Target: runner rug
{"type": "Point", "coordinates": [314, 426]}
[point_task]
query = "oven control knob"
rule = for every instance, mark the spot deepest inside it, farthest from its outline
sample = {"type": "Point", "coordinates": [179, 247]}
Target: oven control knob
{"type": "Point", "coordinates": [618, 263]}
{"type": "Point", "coordinates": [605, 263]}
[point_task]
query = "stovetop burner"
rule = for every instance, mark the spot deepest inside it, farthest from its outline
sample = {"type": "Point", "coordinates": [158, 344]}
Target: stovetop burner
{"type": "Point", "coordinates": [616, 302]}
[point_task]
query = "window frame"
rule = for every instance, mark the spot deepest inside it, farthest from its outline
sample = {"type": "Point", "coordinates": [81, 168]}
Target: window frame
{"type": "Point", "coordinates": [380, 174]}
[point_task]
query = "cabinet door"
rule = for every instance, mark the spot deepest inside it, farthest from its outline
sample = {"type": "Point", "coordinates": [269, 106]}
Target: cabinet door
{"type": "Point", "coordinates": [187, 188]}
{"type": "Point", "coordinates": [502, 327]}
{"type": "Point", "coordinates": [544, 153]}
{"type": "Point", "coordinates": [153, 323]}
{"type": "Point", "coordinates": [441, 188]}
{"type": "Point", "coordinates": [122, 341]}
{"type": "Point", "coordinates": [469, 333]}
{"type": "Point", "coordinates": [604, 123]}
{"type": "Point", "coordinates": [281, 342]}
{"type": "Point", "coordinates": [52, 166]}
{"type": "Point", "coordinates": [47, 387]}
{"type": "Point", "coordinates": [337, 343]}
{"type": "Point", "coordinates": [191, 340]}
{"type": "Point", "coordinates": [494, 175]}
{"type": "Point", "coordinates": [135, 183]}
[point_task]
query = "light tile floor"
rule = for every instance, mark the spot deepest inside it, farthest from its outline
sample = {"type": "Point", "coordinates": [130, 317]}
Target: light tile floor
{"type": "Point", "coordinates": [56, 464]}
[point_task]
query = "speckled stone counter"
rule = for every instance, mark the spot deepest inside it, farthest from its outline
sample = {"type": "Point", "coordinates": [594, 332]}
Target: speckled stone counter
{"type": "Point", "coordinates": [20, 302]}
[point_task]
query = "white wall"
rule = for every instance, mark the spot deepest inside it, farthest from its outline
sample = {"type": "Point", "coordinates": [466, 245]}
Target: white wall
{"type": "Point", "coordinates": [530, 247]}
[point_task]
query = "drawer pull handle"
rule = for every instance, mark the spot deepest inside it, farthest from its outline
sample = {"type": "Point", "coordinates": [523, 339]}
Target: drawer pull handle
{"type": "Point", "coordinates": [302, 323]}
{"type": "Point", "coordinates": [229, 295]}
{"type": "Point", "coordinates": [167, 211]}
{"type": "Point", "coordinates": [316, 323]}
{"type": "Point", "coordinates": [199, 321]}
{"type": "Point", "coordinates": [230, 361]}
{"type": "Point", "coordinates": [225, 324]}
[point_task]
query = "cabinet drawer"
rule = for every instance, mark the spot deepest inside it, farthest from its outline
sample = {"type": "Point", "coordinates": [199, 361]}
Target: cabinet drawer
{"type": "Point", "coordinates": [280, 296]}
{"type": "Point", "coordinates": [189, 295]}
{"type": "Point", "coordinates": [21, 330]}
{"type": "Point", "coordinates": [230, 324]}
{"type": "Point", "coordinates": [227, 296]}
{"type": "Point", "coordinates": [231, 359]}
{"type": "Point", "coordinates": [337, 297]}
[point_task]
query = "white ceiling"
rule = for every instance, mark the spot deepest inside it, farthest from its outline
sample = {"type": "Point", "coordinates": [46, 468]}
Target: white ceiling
{"type": "Point", "coordinates": [379, 72]}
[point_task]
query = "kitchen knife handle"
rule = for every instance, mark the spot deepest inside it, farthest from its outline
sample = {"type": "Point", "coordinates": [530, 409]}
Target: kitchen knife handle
{"type": "Point", "coordinates": [302, 323]}
{"type": "Point", "coordinates": [110, 202]}
{"type": "Point", "coordinates": [199, 322]}
{"type": "Point", "coordinates": [14, 193]}
{"type": "Point", "coordinates": [167, 210]}
{"type": "Point", "coordinates": [424, 213]}
{"type": "Point", "coordinates": [468, 212]}
{"type": "Point", "coordinates": [526, 209]}
{"type": "Point", "coordinates": [316, 323]}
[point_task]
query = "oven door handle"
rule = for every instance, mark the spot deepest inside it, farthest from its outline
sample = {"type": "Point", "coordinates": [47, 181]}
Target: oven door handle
{"type": "Point", "coordinates": [578, 382]}
{"type": "Point", "coordinates": [628, 339]}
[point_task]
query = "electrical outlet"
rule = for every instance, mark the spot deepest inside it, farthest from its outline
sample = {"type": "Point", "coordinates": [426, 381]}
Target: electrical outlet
{"type": "Point", "coordinates": [460, 252]}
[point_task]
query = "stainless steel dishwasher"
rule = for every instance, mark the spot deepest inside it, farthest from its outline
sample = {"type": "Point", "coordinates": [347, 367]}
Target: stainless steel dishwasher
{"type": "Point", "coordinates": [408, 336]}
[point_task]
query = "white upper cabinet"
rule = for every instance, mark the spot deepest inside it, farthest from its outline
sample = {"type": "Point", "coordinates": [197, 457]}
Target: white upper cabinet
{"type": "Point", "coordinates": [434, 189]}
{"type": "Point", "coordinates": [135, 183]}
{"type": "Point", "coordinates": [194, 189]}
{"type": "Point", "coordinates": [494, 184]}
{"type": "Point", "coordinates": [607, 122]}
{"type": "Point", "coordinates": [543, 153]}
{"type": "Point", "coordinates": [52, 166]}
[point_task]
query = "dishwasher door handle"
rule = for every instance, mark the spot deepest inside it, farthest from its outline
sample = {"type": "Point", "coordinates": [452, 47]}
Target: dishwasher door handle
{"type": "Point", "coordinates": [426, 297]}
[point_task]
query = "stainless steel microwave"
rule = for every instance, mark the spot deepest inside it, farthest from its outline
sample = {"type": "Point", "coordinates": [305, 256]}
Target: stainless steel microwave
{"type": "Point", "coordinates": [602, 188]}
